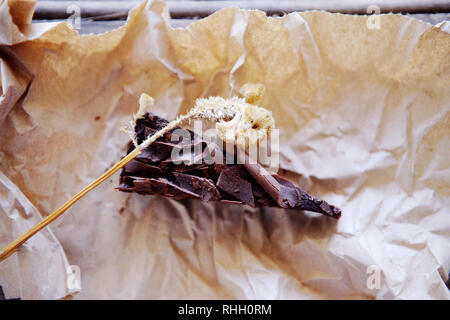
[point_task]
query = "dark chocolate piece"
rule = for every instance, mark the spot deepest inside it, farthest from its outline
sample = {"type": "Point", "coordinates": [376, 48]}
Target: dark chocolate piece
{"type": "Point", "coordinates": [141, 169]}
{"type": "Point", "coordinates": [203, 187]}
{"type": "Point", "coordinates": [159, 151]}
{"type": "Point", "coordinates": [159, 186]}
{"type": "Point", "coordinates": [157, 171]}
{"type": "Point", "coordinates": [230, 182]}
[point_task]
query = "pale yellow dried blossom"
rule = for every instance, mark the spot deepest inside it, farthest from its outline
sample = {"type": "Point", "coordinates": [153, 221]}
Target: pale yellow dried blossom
{"type": "Point", "coordinates": [238, 120]}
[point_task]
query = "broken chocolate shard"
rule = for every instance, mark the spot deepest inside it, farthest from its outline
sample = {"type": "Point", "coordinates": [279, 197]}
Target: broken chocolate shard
{"type": "Point", "coordinates": [158, 186]}
{"type": "Point", "coordinates": [156, 171]}
{"type": "Point", "coordinates": [202, 186]}
{"type": "Point", "coordinates": [141, 169]}
{"type": "Point", "coordinates": [159, 151]}
{"type": "Point", "coordinates": [230, 182]}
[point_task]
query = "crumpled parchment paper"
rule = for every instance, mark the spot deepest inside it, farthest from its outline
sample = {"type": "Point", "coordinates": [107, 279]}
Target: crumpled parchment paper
{"type": "Point", "coordinates": [364, 117]}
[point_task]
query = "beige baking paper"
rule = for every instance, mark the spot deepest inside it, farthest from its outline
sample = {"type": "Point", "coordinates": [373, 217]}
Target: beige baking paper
{"type": "Point", "coordinates": [363, 106]}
